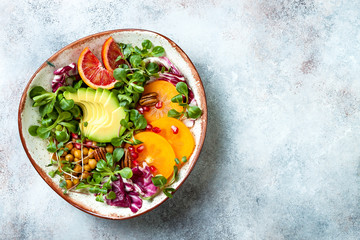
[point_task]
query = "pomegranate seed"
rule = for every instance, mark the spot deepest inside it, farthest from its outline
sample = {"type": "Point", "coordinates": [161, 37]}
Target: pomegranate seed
{"type": "Point", "coordinates": [159, 104]}
{"type": "Point", "coordinates": [140, 148]}
{"type": "Point", "coordinates": [174, 129]}
{"type": "Point", "coordinates": [131, 148]}
{"type": "Point", "coordinates": [148, 127]}
{"type": "Point", "coordinates": [135, 163]}
{"type": "Point", "coordinates": [146, 108]}
{"type": "Point", "coordinates": [156, 130]}
{"type": "Point", "coordinates": [77, 145]}
{"type": "Point", "coordinates": [153, 169]}
{"type": "Point", "coordinates": [141, 110]}
{"type": "Point", "coordinates": [74, 135]}
{"type": "Point", "coordinates": [134, 155]}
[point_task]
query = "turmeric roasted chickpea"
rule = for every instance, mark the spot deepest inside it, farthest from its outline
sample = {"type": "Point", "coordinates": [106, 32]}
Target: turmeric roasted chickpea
{"type": "Point", "coordinates": [73, 151]}
{"type": "Point", "coordinates": [69, 158]}
{"type": "Point", "coordinates": [69, 184]}
{"type": "Point", "coordinates": [66, 176]}
{"type": "Point", "coordinates": [109, 148]}
{"type": "Point", "coordinates": [77, 168]}
{"type": "Point", "coordinates": [85, 151]}
{"type": "Point", "coordinates": [92, 163]}
{"type": "Point", "coordinates": [91, 153]}
{"type": "Point", "coordinates": [77, 153]}
{"type": "Point", "coordinates": [85, 175]}
{"type": "Point", "coordinates": [75, 181]}
{"type": "Point", "coordinates": [69, 146]}
{"type": "Point", "coordinates": [87, 168]}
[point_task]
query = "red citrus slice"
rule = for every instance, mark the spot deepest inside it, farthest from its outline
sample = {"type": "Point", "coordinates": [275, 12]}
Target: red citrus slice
{"type": "Point", "coordinates": [92, 72]}
{"type": "Point", "coordinates": [109, 53]}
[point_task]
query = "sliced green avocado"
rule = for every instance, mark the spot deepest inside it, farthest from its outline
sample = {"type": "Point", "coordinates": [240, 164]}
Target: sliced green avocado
{"type": "Point", "coordinates": [104, 132]}
{"type": "Point", "coordinates": [101, 111]}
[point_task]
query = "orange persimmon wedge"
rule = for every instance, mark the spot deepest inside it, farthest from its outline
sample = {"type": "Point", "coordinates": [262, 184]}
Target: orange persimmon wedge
{"type": "Point", "coordinates": [177, 134]}
{"type": "Point", "coordinates": [157, 152]}
{"type": "Point", "coordinates": [166, 91]}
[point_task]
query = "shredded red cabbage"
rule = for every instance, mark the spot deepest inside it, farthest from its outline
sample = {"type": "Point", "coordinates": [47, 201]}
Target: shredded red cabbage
{"type": "Point", "coordinates": [142, 181]}
{"type": "Point", "coordinates": [61, 74]}
{"type": "Point", "coordinates": [173, 75]}
{"type": "Point", "coordinates": [126, 196]}
{"type": "Point", "coordinates": [122, 199]}
{"type": "Point", "coordinates": [164, 62]}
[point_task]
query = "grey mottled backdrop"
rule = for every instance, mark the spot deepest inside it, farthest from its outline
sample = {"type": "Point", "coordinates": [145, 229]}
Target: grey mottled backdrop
{"type": "Point", "coordinates": [281, 157]}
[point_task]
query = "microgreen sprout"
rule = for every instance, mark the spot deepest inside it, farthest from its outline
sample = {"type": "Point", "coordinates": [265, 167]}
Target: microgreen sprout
{"type": "Point", "coordinates": [182, 99]}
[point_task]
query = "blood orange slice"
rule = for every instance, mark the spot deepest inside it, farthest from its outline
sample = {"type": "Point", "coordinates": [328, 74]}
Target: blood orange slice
{"type": "Point", "coordinates": [93, 73]}
{"type": "Point", "coordinates": [109, 53]}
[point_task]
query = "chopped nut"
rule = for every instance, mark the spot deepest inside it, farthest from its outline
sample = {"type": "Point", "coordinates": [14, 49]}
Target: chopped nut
{"type": "Point", "coordinates": [100, 153]}
{"type": "Point", "coordinates": [125, 161]}
{"type": "Point", "coordinates": [148, 99]}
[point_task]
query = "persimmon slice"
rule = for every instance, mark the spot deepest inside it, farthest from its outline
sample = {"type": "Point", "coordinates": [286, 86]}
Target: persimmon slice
{"type": "Point", "coordinates": [157, 152]}
{"type": "Point", "coordinates": [109, 53]}
{"type": "Point", "coordinates": [92, 72]}
{"type": "Point", "coordinates": [166, 91]}
{"type": "Point", "coordinates": [177, 134]}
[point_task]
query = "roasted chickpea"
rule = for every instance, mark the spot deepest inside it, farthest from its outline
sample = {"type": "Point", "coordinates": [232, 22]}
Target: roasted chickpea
{"type": "Point", "coordinates": [85, 151]}
{"type": "Point", "coordinates": [77, 168]}
{"type": "Point", "coordinates": [87, 168]}
{"type": "Point", "coordinates": [92, 163]}
{"type": "Point", "coordinates": [77, 160]}
{"type": "Point", "coordinates": [69, 184]}
{"type": "Point", "coordinates": [85, 175]}
{"type": "Point", "coordinates": [69, 157]}
{"type": "Point", "coordinates": [64, 154]}
{"type": "Point", "coordinates": [77, 153]}
{"type": "Point", "coordinates": [54, 156]}
{"type": "Point", "coordinates": [75, 181]}
{"type": "Point", "coordinates": [109, 148]}
{"type": "Point", "coordinates": [86, 160]}
{"type": "Point", "coordinates": [66, 176]}
{"type": "Point", "coordinates": [91, 153]}
{"type": "Point", "coordinates": [69, 146]}
{"type": "Point", "coordinates": [73, 151]}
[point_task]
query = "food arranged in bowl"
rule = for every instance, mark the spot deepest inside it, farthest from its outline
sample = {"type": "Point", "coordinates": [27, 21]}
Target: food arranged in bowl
{"type": "Point", "coordinates": [119, 129]}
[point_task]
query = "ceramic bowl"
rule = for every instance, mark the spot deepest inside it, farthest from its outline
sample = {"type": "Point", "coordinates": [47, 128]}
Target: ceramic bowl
{"type": "Point", "coordinates": [35, 147]}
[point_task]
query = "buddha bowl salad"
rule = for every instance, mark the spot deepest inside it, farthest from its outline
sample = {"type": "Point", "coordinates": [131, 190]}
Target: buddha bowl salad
{"type": "Point", "coordinates": [117, 129]}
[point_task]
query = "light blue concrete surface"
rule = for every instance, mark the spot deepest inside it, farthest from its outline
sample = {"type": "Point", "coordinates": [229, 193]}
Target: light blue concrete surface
{"type": "Point", "coordinates": [281, 157]}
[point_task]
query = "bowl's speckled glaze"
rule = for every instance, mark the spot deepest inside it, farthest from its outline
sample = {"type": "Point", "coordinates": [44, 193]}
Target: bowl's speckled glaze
{"type": "Point", "coordinates": [35, 148]}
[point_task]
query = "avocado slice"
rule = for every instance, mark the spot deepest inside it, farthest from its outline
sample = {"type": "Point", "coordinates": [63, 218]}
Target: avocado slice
{"type": "Point", "coordinates": [102, 112]}
{"type": "Point", "coordinates": [105, 133]}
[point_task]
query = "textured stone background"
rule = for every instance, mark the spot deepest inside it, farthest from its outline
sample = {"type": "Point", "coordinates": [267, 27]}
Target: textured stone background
{"type": "Point", "coordinates": [281, 157]}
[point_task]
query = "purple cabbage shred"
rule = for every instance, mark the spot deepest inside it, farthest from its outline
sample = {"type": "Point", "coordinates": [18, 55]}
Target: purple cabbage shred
{"type": "Point", "coordinates": [128, 193]}
{"type": "Point", "coordinates": [126, 196]}
{"type": "Point", "coordinates": [142, 181]}
{"type": "Point", "coordinates": [173, 75]}
{"type": "Point", "coordinates": [61, 74]}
